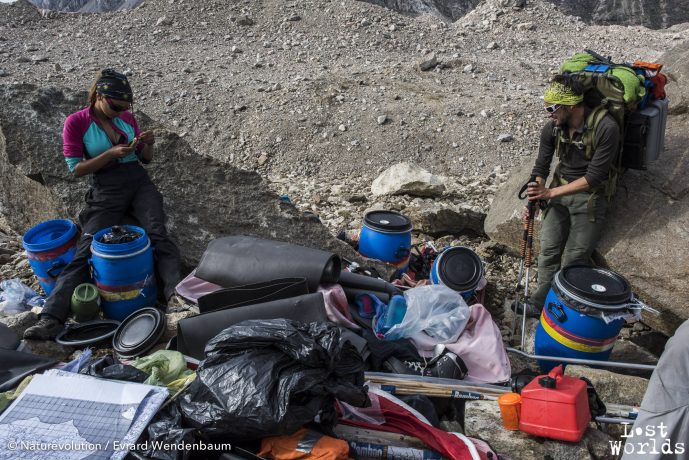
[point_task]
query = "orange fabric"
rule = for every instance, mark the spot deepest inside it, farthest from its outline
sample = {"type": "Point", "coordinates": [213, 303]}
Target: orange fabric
{"type": "Point", "coordinates": [317, 447]}
{"type": "Point", "coordinates": [647, 65]}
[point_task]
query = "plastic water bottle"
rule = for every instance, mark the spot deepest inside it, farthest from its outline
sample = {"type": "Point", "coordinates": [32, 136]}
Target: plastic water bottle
{"type": "Point", "coordinates": [397, 308]}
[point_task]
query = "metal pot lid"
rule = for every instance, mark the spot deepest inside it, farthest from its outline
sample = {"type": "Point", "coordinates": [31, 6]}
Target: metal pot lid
{"type": "Point", "coordinates": [90, 332]}
{"type": "Point", "coordinates": [594, 286]}
{"type": "Point", "coordinates": [387, 221]}
{"type": "Point", "coordinates": [459, 268]}
{"type": "Point", "coordinates": [139, 332]}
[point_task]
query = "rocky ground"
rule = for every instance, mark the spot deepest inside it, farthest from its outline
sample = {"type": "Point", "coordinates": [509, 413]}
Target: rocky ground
{"type": "Point", "coordinates": [319, 97]}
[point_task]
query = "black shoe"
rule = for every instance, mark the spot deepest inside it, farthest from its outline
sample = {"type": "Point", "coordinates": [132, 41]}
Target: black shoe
{"type": "Point", "coordinates": [532, 311]}
{"type": "Point", "coordinates": [449, 366]}
{"type": "Point", "coordinates": [47, 328]}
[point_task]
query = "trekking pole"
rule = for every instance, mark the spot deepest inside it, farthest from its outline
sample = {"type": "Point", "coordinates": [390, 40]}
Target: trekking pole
{"type": "Point", "coordinates": [522, 255]}
{"type": "Point", "coordinates": [531, 207]}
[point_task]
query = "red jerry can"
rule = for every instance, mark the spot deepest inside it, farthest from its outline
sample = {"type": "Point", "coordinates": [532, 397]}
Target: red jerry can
{"type": "Point", "coordinates": [555, 406]}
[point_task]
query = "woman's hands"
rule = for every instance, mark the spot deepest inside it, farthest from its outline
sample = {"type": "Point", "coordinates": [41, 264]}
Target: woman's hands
{"type": "Point", "coordinates": [119, 151]}
{"type": "Point", "coordinates": [147, 137]}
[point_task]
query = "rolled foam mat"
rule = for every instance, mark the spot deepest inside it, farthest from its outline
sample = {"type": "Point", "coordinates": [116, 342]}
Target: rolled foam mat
{"type": "Point", "coordinates": [250, 294]}
{"type": "Point", "coordinates": [240, 260]}
{"type": "Point", "coordinates": [193, 333]}
{"type": "Point", "coordinates": [367, 283]}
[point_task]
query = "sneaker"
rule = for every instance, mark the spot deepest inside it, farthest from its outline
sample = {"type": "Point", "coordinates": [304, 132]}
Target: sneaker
{"type": "Point", "coordinates": [47, 328]}
{"type": "Point", "coordinates": [532, 311]}
{"type": "Point", "coordinates": [449, 366]}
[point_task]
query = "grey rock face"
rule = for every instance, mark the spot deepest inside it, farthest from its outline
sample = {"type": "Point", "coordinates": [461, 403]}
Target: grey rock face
{"type": "Point", "coordinates": [204, 198]}
{"type": "Point", "coordinates": [86, 6]}
{"type": "Point", "coordinates": [656, 14]}
{"type": "Point", "coordinates": [452, 9]}
{"type": "Point", "coordinates": [437, 220]}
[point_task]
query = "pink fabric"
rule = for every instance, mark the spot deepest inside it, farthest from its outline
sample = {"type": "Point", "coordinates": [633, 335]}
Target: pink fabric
{"type": "Point", "coordinates": [336, 305]}
{"type": "Point", "coordinates": [191, 287]}
{"type": "Point", "coordinates": [78, 123]}
{"type": "Point", "coordinates": [392, 415]}
{"type": "Point", "coordinates": [480, 346]}
{"type": "Point", "coordinates": [73, 132]}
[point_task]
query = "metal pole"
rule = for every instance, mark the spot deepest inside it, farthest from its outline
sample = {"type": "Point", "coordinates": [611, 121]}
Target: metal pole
{"type": "Point", "coordinates": [588, 362]}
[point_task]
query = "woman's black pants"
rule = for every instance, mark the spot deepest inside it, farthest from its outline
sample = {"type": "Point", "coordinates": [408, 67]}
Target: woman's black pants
{"type": "Point", "coordinates": [122, 190]}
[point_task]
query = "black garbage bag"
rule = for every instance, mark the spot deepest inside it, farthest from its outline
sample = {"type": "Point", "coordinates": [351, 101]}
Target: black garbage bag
{"type": "Point", "coordinates": [165, 433]}
{"type": "Point", "coordinates": [269, 377]}
{"type": "Point", "coordinates": [120, 235]}
{"type": "Point", "coordinates": [109, 367]}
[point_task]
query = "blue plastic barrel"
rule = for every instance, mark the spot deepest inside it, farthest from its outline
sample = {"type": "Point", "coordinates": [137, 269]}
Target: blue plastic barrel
{"type": "Point", "coordinates": [570, 325]}
{"type": "Point", "coordinates": [50, 246]}
{"type": "Point", "coordinates": [124, 274]}
{"type": "Point", "coordinates": [386, 236]}
{"type": "Point", "coordinates": [458, 268]}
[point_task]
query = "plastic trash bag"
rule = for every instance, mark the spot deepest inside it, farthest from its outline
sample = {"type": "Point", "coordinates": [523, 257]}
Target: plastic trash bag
{"type": "Point", "coordinates": [16, 297]}
{"type": "Point", "coordinates": [166, 430]}
{"type": "Point", "coordinates": [80, 362]}
{"type": "Point", "coordinates": [108, 367]}
{"type": "Point", "coordinates": [163, 366]}
{"type": "Point", "coordinates": [120, 235]}
{"type": "Point", "coordinates": [436, 310]}
{"type": "Point", "coordinates": [270, 377]}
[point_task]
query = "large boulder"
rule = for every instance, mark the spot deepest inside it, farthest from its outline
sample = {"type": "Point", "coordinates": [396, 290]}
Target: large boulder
{"type": "Point", "coordinates": [407, 179]}
{"type": "Point", "coordinates": [645, 239]}
{"type": "Point", "coordinates": [677, 68]}
{"type": "Point", "coordinates": [482, 420]}
{"type": "Point", "coordinates": [204, 198]}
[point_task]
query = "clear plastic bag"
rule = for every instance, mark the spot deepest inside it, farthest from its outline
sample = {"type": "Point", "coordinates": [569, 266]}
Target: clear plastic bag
{"type": "Point", "coordinates": [17, 298]}
{"type": "Point", "coordinates": [435, 310]}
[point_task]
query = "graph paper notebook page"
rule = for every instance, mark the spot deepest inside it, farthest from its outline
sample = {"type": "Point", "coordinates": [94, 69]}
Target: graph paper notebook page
{"type": "Point", "coordinates": [66, 416]}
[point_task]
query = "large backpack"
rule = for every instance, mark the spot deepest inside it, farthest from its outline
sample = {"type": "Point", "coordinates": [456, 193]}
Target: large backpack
{"type": "Point", "coordinates": [631, 93]}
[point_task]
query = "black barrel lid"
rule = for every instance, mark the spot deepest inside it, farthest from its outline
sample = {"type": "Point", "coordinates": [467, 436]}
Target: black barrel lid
{"type": "Point", "coordinates": [459, 268]}
{"type": "Point", "coordinates": [87, 333]}
{"type": "Point", "coordinates": [387, 221]}
{"type": "Point", "coordinates": [594, 284]}
{"type": "Point", "coordinates": [139, 332]}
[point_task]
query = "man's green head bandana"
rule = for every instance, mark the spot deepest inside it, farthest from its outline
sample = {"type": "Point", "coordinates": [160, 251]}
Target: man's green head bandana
{"type": "Point", "coordinates": [561, 94]}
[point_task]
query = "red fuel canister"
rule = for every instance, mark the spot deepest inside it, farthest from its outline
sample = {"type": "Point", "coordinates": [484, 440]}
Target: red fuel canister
{"type": "Point", "coordinates": [555, 406]}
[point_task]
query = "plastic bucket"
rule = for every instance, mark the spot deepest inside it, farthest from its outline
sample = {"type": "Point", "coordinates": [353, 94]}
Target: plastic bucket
{"type": "Point", "coordinates": [510, 410]}
{"type": "Point", "coordinates": [458, 268]}
{"type": "Point", "coordinates": [124, 274]}
{"type": "Point", "coordinates": [570, 325]}
{"type": "Point", "coordinates": [386, 236]}
{"type": "Point", "coordinates": [50, 246]}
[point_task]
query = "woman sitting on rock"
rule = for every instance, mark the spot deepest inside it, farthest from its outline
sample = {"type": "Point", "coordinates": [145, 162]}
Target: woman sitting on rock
{"type": "Point", "coordinates": [100, 140]}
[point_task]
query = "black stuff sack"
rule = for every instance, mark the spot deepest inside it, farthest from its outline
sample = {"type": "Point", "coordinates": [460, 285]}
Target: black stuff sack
{"type": "Point", "coordinates": [269, 378]}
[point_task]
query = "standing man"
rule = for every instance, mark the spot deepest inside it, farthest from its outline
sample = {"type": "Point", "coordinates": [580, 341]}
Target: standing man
{"type": "Point", "coordinates": [586, 142]}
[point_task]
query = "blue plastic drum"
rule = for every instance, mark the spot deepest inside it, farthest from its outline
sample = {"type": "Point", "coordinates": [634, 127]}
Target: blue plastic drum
{"type": "Point", "coordinates": [124, 274]}
{"type": "Point", "coordinates": [458, 268]}
{"type": "Point", "coordinates": [50, 246]}
{"type": "Point", "coordinates": [386, 236]}
{"type": "Point", "coordinates": [571, 325]}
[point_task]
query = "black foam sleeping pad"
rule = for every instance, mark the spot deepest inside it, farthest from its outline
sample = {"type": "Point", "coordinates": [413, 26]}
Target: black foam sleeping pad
{"type": "Point", "coordinates": [193, 333]}
{"type": "Point", "coordinates": [250, 294]}
{"type": "Point", "coordinates": [241, 260]}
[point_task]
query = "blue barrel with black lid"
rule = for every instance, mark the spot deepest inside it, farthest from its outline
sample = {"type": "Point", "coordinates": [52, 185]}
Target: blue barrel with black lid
{"type": "Point", "coordinates": [50, 246]}
{"type": "Point", "coordinates": [386, 236]}
{"type": "Point", "coordinates": [571, 323]}
{"type": "Point", "coordinates": [458, 268]}
{"type": "Point", "coordinates": [124, 273]}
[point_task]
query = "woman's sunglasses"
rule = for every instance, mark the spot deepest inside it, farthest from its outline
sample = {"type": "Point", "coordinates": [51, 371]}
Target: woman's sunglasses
{"type": "Point", "coordinates": [552, 108]}
{"type": "Point", "coordinates": [115, 108]}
